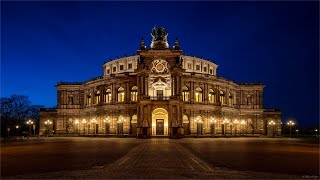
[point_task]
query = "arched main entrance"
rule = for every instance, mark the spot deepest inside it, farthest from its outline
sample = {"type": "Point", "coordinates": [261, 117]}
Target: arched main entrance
{"type": "Point", "coordinates": [159, 122]}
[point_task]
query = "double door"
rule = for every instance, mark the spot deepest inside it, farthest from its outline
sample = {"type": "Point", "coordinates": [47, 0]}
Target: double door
{"type": "Point", "coordinates": [160, 127]}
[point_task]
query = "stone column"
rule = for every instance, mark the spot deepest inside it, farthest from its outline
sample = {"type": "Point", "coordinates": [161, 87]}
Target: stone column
{"type": "Point", "coordinates": [139, 86]}
{"type": "Point", "coordinates": [146, 85]}
{"type": "Point", "coordinates": [127, 94]}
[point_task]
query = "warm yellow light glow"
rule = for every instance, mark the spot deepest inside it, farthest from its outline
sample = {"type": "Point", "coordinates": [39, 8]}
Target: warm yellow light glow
{"type": "Point", "coordinates": [48, 122]}
{"type": "Point", "coordinates": [272, 123]}
{"type": "Point", "coordinates": [29, 122]}
{"type": "Point", "coordinates": [290, 123]}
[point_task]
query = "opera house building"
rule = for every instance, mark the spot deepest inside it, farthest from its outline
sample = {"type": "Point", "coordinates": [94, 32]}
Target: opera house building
{"type": "Point", "coordinates": [160, 92]}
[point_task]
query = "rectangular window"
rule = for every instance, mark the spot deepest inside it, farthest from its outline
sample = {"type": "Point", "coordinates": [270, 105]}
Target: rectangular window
{"type": "Point", "coordinates": [198, 67]}
{"type": "Point", "coordinates": [108, 71]}
{"type": "Point", "coordinates": [121, 67]}
{"type": "Point", "coordinates": [130, 66]}
{"type": "Point", "coordinates": [211, 72]}
{"type": "Point", "coordinates": [189, 65]}
{"type": "Point", "coordinates": [205, 69]}
{"type": "Point", "coordinates": [114, 69]}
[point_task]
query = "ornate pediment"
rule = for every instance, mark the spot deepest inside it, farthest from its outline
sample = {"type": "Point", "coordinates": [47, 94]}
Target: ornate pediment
{"type": "Point", "coordinates": [160, 66]}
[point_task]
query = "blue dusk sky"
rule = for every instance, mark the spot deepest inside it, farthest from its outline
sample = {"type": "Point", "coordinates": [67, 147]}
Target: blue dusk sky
{"type": "Point", "coordinates": [276, 43]}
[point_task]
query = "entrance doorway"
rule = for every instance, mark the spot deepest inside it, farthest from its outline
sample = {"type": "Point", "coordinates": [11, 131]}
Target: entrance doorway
{"type": "Point", "coordinates": [159, 122]}
{"type": "Point", "coordinates": [160, 127]}
{"type": "Point", "coordinates": [159, 94]}
{"type": "Point", "coordinates": [199, 129]}
{"type": "Point", "coordinates": [120, 128]}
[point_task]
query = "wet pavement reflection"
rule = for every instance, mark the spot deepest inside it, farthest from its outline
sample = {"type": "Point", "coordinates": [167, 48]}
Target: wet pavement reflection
{"type": "Point", "coordinates": [78, 157]}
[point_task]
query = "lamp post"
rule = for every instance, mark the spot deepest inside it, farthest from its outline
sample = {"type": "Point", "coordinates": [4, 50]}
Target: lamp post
{"type": "Point", "coordinates": [272, 124]}
{"type": "Point", "coordinates": [316, 130]}
{"type": "Point", "coordinates": [297, 131]}
{"type": "Point", "coordinates": [77, 124]}
{"type": "Point", "coordinates": [29, 123]}
{"type": "Point", "coordinates": [290, 124]}
{"type": "Point", "coordinates": [106, 125]}
{"type": "Point", "coordinates": [94, 122]}
{"type": "Point", "coordinates": [47, 122]}
{"type": "Point", "coordinates": [84, 122]}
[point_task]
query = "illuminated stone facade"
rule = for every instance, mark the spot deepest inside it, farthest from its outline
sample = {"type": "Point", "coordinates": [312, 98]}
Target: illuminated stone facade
{"type": "Point", "coordinates": [160, 92]}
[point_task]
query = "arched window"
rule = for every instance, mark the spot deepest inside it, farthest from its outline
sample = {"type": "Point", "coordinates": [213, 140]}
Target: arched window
{"type": "Point", "coordinates": [198, 94]}
{"type": "Point", "coordinates": [89, 98]}
{"type": "Point", "coordinates": [120, 94]}
{"type": "Point", "coordinates": [222, 97]}
{"type": "Point", "coordinates": [230, 99]}
{"type": "Point", "coordinates": [97, 97]}
{"type": "Point", "coordinates": [212, 96]}
{"type": "Point", "coordinates": [249, 100]}
{"type": "Point", "coordinates": [185, 93]}
{"type": "Point", "coordinates": [107, 96]}
{"type": "Point", "coordinates": [134, 93]}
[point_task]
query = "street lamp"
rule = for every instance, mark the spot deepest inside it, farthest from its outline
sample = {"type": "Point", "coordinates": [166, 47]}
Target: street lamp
{"type": "Point", "coordinates": [106, 126]}
{"type": "Point", "coordinates": [297, 131]}
{"type": "Point", "coordinates": [316, 130]}
{"type": "Point", "coordinates": [77, 124]}
{"type": "Point", "coordinates": [84, 125]}
{"type": "Point", "coordinates": [272, 124]}
{"type": "Point", "coordinates": [290, 124]}
{"type": "Point", "coordinates": [29, 123]}
{"type": "Point", "coordinates": [48, 122]}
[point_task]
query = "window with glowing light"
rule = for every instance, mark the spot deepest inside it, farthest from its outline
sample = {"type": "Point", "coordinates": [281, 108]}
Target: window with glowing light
{"type": "Point", "coordinates": [198, 94]}
{"type": "Point", "coordinates": [121, 94]}
{"type": "Point", "coordinates": [185, 93]}
{"type": "Point", "coordinates": [107, 96]}
{"type": "Point", "coordinates": [97, 96]}
{"type": "Point", "coordinates": [89, 99]}
{"type": "Point", "coordinates": [231, 99]}
{"type": "Point", "coordinates": [211, 96]}
{"type": "Point", "coordinates": [222, 97]}
{"type": "Point", "coordinates": [134, 93]}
